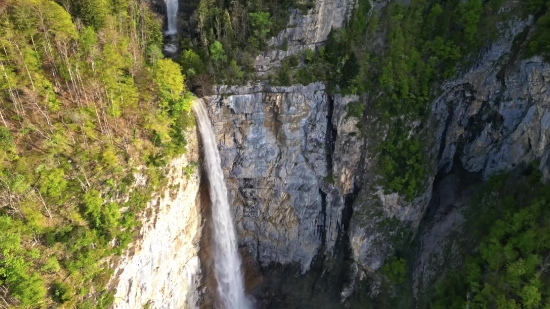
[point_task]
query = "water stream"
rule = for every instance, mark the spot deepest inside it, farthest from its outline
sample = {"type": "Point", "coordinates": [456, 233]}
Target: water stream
{"type": "Point", "coordinates": [227, 261]}
{"type": "Point", "coordinates": [171, 15]}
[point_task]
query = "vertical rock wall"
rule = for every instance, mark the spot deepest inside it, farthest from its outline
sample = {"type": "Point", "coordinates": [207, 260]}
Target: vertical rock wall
{"type": "Point", "coordinates": [305, 31]}
{"type": "Point", "coordinates": [289, 155]}
{"type": "Point", "coordinates": [162, 268]}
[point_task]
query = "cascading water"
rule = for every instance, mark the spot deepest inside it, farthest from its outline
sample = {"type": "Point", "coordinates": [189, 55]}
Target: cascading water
{"type": "Point", "coordinates": [171, 15]}
{"type": "Point", "coordinates": [226, 258]}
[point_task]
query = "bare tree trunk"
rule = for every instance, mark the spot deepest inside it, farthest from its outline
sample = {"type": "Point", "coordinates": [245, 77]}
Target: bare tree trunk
{"type": "Point", "coordinates": [12, 93]}
{"type": "Point", "coordinates": [24, 64]}
{"type": "Point", "coordinates": [3, 120]}
{"type": "Point", "coordinates": [43, 203]}
{"type": "Point", "coordinates": [45, 115]}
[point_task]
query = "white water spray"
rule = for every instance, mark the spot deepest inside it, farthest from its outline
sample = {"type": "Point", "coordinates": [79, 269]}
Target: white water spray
{"type": "Point", "coordinates": [226, 258]}
{"type": "Point", "coordinates": [171, 15]}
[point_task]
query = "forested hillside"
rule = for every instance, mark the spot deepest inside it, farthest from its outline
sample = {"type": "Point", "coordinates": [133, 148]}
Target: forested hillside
{"type": "Point", "coordinates": [86, 103]}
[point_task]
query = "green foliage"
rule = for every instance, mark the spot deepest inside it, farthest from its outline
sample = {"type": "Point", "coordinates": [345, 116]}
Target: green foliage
{"type": "Point", "coordinates": [88, 41]}
{"type": "Point", "coordinates": [540, 39]}
{"type": "Point", "coordinates": [26, 286]}
{"type": "Point", "coordinates": [309, 56]}
{"type": "Point", "coordinates": [507, 270]}
{"type": "Point", "coordinates": [216, 52]}
{"type": "Point", "coordinates": [51, 266]}
{"type": "Point", "coordinates": [355, 109]}
{"type": "Point", "coordinates": [395, 270]}
{"type": "Point", "coordinates": [260, 24]}
{"type": "Point", "coordinates": [168, 78]}
{"type": "Point", "coordinates": [470, 19]}
{"type": "Point", "coordinates": [190, 169]}
{"type": "Point", "coordinates": [80, 98]}
{"type": "Point", "coordinates": [192, 63]}
{"type": "Point", "coordinates": [52, 182]}
{"type": "Point", "coordinates": [7, 145]}
{"type": "Point", "coordinates": [110, 216]}
{"type": "Point", "coordinates": [238, 28]}
{"type": "Point", "coordinates": [92, 12]}
{"type": "Point", "coordinates": [92, 207]}
{"type": "Point", "coordinates": [61, 292]}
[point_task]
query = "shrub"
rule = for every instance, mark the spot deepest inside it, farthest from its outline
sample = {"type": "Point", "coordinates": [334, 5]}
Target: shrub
{"type": "Point", "coordinates": [61, 292]}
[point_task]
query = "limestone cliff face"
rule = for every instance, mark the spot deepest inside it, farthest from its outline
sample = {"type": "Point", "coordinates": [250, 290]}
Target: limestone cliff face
{"type": "Point", "coordinates": [305, 31]}
{"type": "Point", "coordinates": [289, 155]}
{"type": "Point", "coordinates": [493, 118]}
{"type": "Point", "coordinates": [293, 157]}
{"type": "Point", "coordinates": [162, 268]}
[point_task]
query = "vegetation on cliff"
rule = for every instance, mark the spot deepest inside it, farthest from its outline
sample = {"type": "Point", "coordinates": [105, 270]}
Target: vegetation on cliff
{"type": "Point", "coordinates": [227, 36]}
{"type": "Point", "coordinates": [509, 267]}
{"type": "Point", "coordinates": [86, 104]}
{"type": "Point", "coordinates": [399, 56]}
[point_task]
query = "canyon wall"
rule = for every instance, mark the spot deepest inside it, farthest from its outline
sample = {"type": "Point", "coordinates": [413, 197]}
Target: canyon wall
{"type": "Point", "coordinates": [162, 268]}
{"type": "Point", "coordinates": [304, 184]}
{"type": "Point", "coordinates": [297, 165]}
{"type": "Point", "coordinates": [306, 30]}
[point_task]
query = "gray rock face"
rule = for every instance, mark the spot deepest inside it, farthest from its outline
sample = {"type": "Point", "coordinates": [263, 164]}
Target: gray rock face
{"type": "Point", "coordinates": [305, 31]}
{"type": "Point", "coordinates": [275, 155]}
{"type": "Point", "coordinates": [493, 119]}
{"type": "Point", "coordinates": [291, 155]}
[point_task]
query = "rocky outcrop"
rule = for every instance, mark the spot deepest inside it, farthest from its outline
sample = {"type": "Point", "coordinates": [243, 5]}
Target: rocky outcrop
{"type": "Point", "coordinates": [304, 31]}
{"type": "Point", "coordinates": [293, 156]}
{"type": "Point", "coordinates": [493, 118]}
{"type": "Point", "coordinates": [490, 119]}
{"type": "Point", "coordinates": [162, 268]}
{"type": "Point", "coordinates": [278, 154]}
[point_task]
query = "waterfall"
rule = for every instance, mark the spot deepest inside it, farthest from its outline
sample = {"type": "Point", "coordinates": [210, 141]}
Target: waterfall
{"type": "Point", "coordinates": [171, 15]}
{"type": "Point", "coordinates": [227, 262]}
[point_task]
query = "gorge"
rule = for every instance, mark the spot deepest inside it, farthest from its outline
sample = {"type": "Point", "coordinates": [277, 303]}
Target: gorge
{"type": "Point", "coordinates": [298, 154]}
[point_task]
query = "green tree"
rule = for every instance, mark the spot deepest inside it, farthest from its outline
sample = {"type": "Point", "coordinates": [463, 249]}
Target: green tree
{"type": "Point", "coordinates": [216, 52]}
{"type": "Point", "coordinates": [470, 19]}
{"type": "Point", "coordinates": [92, 207]}
{"type": "Point", "coordinates": [7, 145]}
{"type": "Point", "coordinates": [260, 23]}
{"type": "Point", "coordinates": [92, 12]}
{"type": "Point", "coordinates": [168, 78]}
{"type": "Point", "coordinates": [26, 286]}
{"type": "Point", "coordinates": [52, 182]}
{"type": "Point", "coordinates": [191, 63]}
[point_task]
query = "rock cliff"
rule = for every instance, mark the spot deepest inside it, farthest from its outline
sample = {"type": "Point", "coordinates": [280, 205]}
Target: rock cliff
{"type": "Point", "coordinates": [162, 268]}
{"type": "Point", "coordinates": [272, 144]}
{"type": "Point", "coordinates": [287, 175]}
{"type": "Point", "coordinates": [303, 181]}
{"type": "Point", "coordinates": [493, 118]}
{"type": "Point", "coordinates": [298, 165]}
{"type": "Point", "coordinates": [304, 31]}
